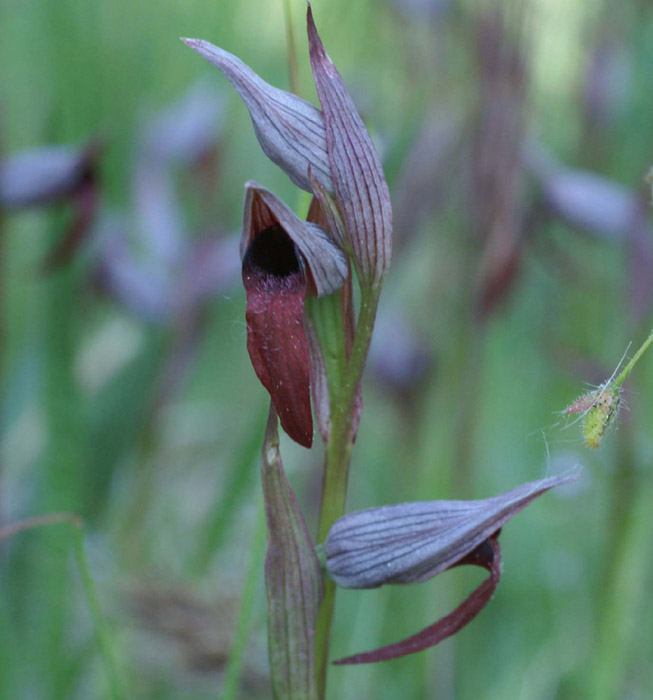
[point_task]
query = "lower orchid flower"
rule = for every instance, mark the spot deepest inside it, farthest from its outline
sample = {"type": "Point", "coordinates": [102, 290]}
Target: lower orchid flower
{"type": "Point", "coordinates": [412, 542]}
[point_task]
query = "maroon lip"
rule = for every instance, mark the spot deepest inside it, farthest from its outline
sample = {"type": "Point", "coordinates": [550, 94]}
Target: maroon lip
{"type": "Point", "coordinates": [275, 286]}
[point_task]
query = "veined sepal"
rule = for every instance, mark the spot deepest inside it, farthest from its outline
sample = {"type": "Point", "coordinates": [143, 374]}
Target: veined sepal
{"type": "Point", "coordinates": [293, 580]}
{"type": "Point", "coordinates": [412, 542]}
{"type": "Point", "coordinates": [290, 130]}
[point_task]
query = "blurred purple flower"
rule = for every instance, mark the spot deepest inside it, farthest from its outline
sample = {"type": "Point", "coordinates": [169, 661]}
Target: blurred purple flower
{"type": "Point", "coordinates": [51, 175]}
{"type": "Point", "coordinates": [159, 292]}
{"type": "Point", "coordinates": [590, 202]}
{"type": "Point", "coordinates": [639, 245]}
{"type": "Point", "coordinates": [496, 199]}
{"type": "Point", "coordinates": [153, 260]}
{"type": "Point", "coordinates": [585, 200]}
{"type": "Point", "coordinates": [163, 269]}
{"type": "Point", "coordinates": [188, 129]}
{"type": "Point", "coordinates": [399, 357]}
{"type": "Point", "coordinates": [606, 82]}
{"type": "Point", "coordinates": [604, 209]}
{"type": "Point", "coordinates": [42, 176]}
{"type": "Point", "coordinates": [420, 10]}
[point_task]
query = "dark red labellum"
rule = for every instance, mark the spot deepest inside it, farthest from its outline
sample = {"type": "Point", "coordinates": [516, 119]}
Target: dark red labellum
{"type": "Point", "coordinates": [275, 285]}
{"type": "Point", "coordinates": [488, 556]}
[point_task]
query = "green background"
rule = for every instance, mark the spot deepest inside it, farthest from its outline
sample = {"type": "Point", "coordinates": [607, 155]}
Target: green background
{"type": "Point", "coordinates": [170, 494]}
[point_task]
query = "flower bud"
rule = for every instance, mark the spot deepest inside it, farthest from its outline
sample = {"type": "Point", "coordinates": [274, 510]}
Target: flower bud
{"type": "Point", "coordinates": [599, 409]}
{"type": "Point", "coordinates": [602, 413]}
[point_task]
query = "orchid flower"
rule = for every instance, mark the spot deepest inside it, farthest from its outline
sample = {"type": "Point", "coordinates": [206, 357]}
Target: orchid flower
{"type": "Point", "coordinates": [412, 542]}
{"type": "Point", "coordinates": [284, 259]}
{"type": "Point", "coordinates": [329, 153]}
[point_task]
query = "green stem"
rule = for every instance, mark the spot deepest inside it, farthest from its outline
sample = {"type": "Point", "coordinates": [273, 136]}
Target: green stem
{"type": "Point", "coordinates": [620, 590]}
{"type": "Point", "coordinates": [2, 315]}
{"type": "Point", "coordinates": [469, 357]}
{"type": "Point", "coordinates": [337, 459]}
{"type": "Point", "coordinates": [235, 665]}
{"type": "Point", "coordinates": [327, 315]}
{"type": "Point", "coordinates": [12, 529]}
{"type": "Point", "coordinates": [101, 630]}
{"type": "Point", "coordinates": [628, 368]}
{"type": "Point", "coordinates": [292, 49]}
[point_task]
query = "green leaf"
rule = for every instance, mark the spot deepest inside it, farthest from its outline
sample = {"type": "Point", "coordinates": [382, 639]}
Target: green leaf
{"type": "Point", "coordinates": [293, 580]}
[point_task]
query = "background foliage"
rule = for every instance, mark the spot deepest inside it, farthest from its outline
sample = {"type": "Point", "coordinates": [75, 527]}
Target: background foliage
{"type": "Point", "coordinates": [461, 392]}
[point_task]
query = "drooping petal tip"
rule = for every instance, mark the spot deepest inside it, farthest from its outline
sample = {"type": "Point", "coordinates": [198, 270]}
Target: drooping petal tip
{"type": "Point", "coordinates": [488, 556]}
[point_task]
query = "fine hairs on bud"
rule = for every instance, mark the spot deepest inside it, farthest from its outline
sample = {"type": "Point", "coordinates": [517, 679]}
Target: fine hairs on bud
{"type": "Point", "coordinates": [600, 408]}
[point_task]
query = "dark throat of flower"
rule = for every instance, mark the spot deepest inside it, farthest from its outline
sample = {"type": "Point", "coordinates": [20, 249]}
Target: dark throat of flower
{"type": "Point", "coordinates": [275, 286]}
